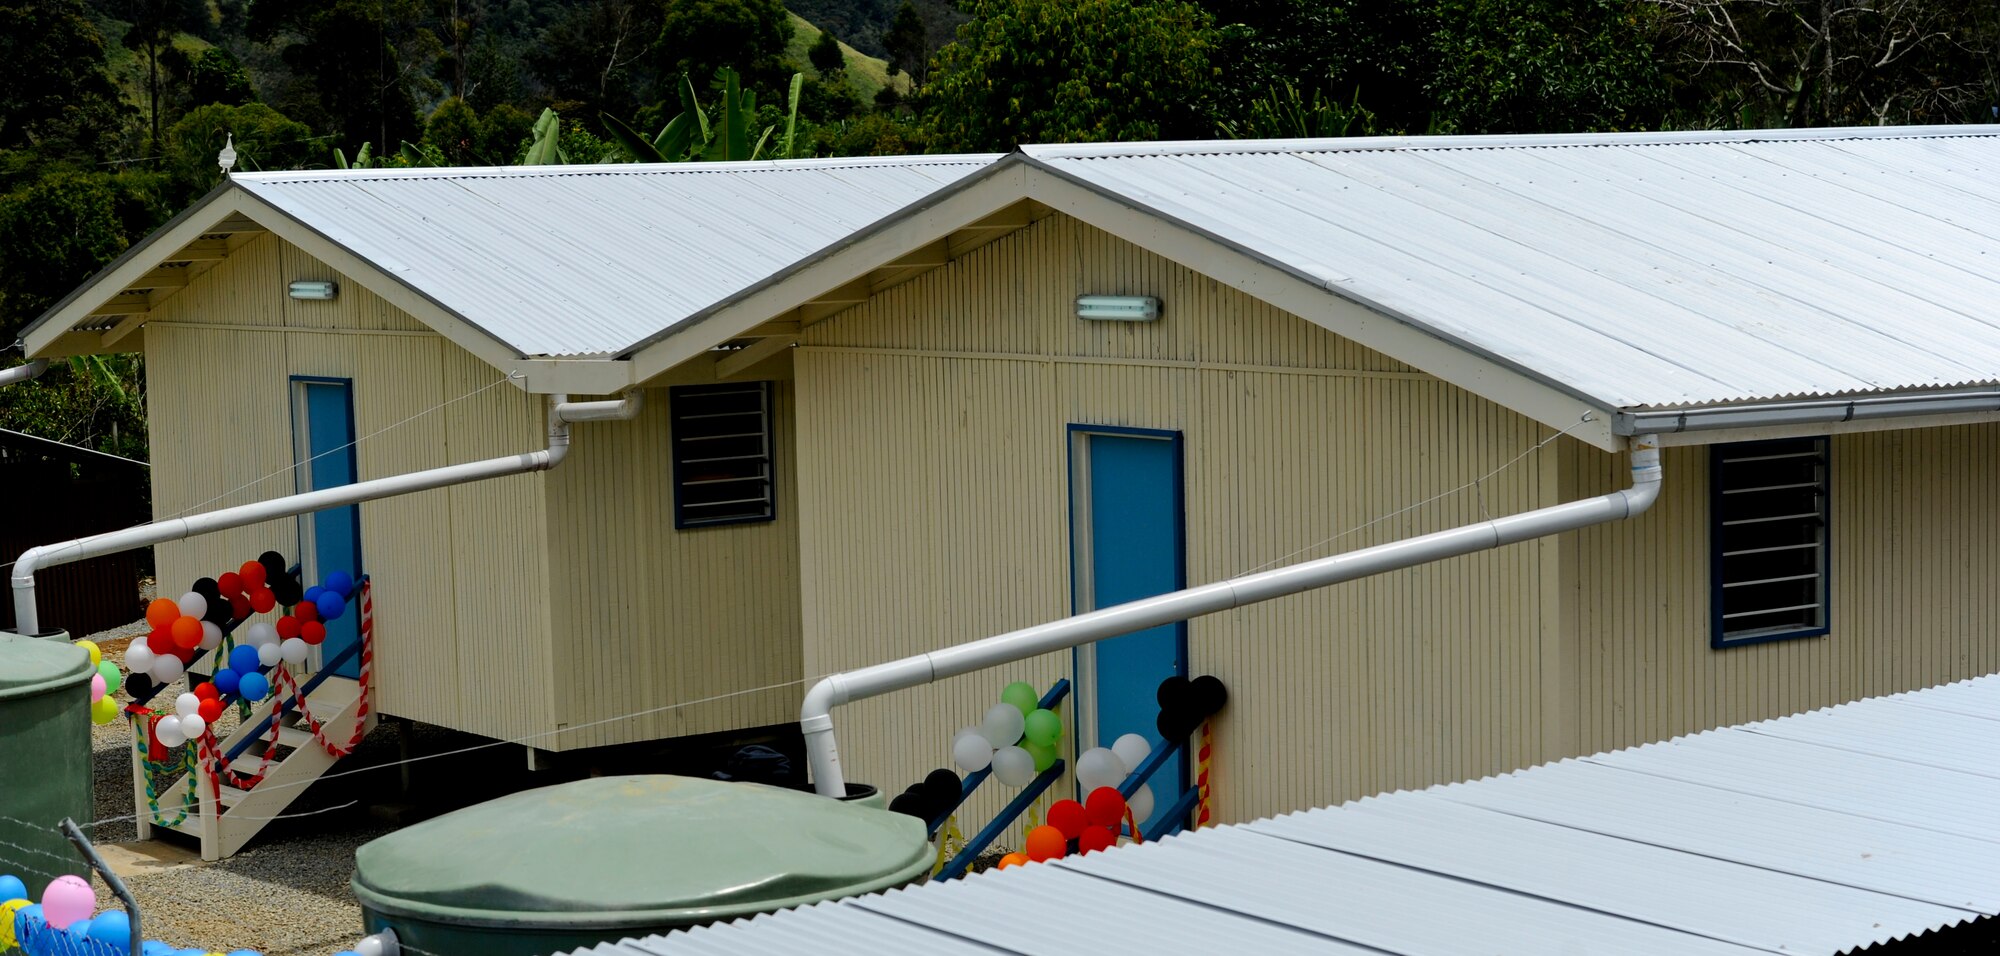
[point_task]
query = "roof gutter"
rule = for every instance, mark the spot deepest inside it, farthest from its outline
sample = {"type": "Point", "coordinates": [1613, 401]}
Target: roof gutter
{"type": "Point", "coordinates": [22, 373]}
{"type": "Point", "coordinates": [1767, 414]}
{"type": "Point", "coordinates": [816, 713]}
{"type": "Point", "coordinates": [561, 414]}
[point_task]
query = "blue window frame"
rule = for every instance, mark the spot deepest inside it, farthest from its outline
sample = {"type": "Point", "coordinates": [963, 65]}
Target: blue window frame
{"type": "Point", "coordinates": [1768, 535]}
{"type": "Point", "coordinates": [722, 454]}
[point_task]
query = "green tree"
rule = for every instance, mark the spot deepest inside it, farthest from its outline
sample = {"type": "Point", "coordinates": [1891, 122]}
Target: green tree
{"type": "Point", "coordinates": [1025, 71]}
{"type": "Point", "coordinates": [908, 44]}
{"type": "Point", "coordinates": [465, 138]}
{"type": "Point", "coordinates": [215, 77]}
{"type": "Point", "coordinates": [58, 230]}
{"type": "Point", "coordinates": [1382, 51]}
{"type": "Point", "coordinates": [56, 91]}
{"type": "Point", "coordinates": [599, 55]}
{"type": "Point", "coordinates": [264, 137]}
{"type": "Point", "coordinates": [155, 23]}
{"type": "Point", "coordinates": [700, 37]}
{"type": "Point", "coordinates": [364, 59]}
{"type": "Point", "coordinates": [825, 54]}
{"type": "Point", "coordinates": [1545, 66]}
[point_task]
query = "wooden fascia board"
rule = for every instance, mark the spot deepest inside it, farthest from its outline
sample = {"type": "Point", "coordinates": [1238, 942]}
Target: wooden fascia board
{"type": "Point", "coordinates": [1313, 302]}
{"type": "Point", "coordinates": [733, 363]}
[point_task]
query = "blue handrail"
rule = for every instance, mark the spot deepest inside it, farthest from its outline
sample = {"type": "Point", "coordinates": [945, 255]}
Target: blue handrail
{"type": "Point", "coordinates": [1175, 814]}
{"type": "Point", "coordinates": [987, 834]}
{"type": "Point", "coordinates": [227, 629]}
{"type": "Point", "coordinates": [1056, 693]}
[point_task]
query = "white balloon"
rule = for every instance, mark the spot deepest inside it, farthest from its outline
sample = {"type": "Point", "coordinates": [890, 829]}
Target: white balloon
{"type": "Point", "coordinates": [166, 669]}
{"type": "Point", "coordinates": [187, 704]}
{"type": "Point", "coordinates": [973, 753]}
{"type": "Point", "coordinates": [962, 731]}
{"type": "Point", "coordinates": [268, 655]}
{"type": "Point", "coordinates": [1133, 749]}
{"type": "Point", "coordinates": [1015, 767]}
{"type": "Point", "coordinates": [211, 636]}
{"type": "Point", "coordinates": [192, 726]}
{"type": "Point", "coordinates": [1003, 725]}
{"type": "Point", "coordinates": [169, 732]}
{"type": "Point", "coordinates": [1141, 802]}
{"type": "Point", "coordinates": [260, 634]}
{"type": "Point", "coordinates": [1099, 767]}
{"type": "Point", "coordinates": [139, 657]}
{"type": "Point", "coordinates": [193, 605]}
{"type": "Point", "coordinates": [292, 650]}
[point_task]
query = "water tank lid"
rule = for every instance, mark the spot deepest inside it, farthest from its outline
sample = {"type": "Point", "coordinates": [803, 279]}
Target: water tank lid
{"type": "Point", "coordinates": [613, 851]}
{"type": "Point", "coordinates": [30, 666]}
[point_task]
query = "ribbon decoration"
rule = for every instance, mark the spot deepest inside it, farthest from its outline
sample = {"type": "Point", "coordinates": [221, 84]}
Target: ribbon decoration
{"type": "Point", "coordinates": [949, 840]}
{"type": "Point", "coordinates": [1206, 764]}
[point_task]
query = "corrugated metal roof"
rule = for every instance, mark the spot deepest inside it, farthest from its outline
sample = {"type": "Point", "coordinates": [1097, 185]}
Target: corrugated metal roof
{"type": "Point", "coordinates": [1636, 270]}
{"type": "Point", "coordinates": [1816, 833]}
{"type": "Point", "coordinates": [589, 260]}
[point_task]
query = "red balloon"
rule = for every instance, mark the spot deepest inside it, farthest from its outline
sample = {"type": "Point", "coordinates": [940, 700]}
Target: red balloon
{"type": "Point", "coordinates": [262, 600]}
{"type": "Point", "coordinates": [239, 607]}
{"type": "Point", "coordinates": [206, 691]}
{"type": "Point", "coordinates": [306, 611]}
{"type": "Point", "coordinates": [1105, 808]}
{"type": "Point", "coordinates": [1046, 843]}
{"type": "Point", "coordinates": [187, 631]}
{"type": "Point", "coordinates": [312, 632]}
{"type": "Point", "coordinates": [288, 627]}
{"type": "Point", "coordinates": [186, 654]}
{"type": "Point", "coordinates": [1068, 816]}
{"type": "Point", "coordinates": [210, 710]}
{"type": "Point", "coordinates": [230, 583]}
{"type": "Point", "coordinates": [1095, 838]}
{"type": "Point", "coordinates": [161, 641]}
{"type": "Point", "coordinates": [251, 574]}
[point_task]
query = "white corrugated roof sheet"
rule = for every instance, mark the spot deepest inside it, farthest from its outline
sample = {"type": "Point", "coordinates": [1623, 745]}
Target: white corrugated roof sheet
{"type": "Point", "coordinates": [589, 260]}
{"type": "Point", "coordinates": [1817, 833]}
{"type": "Point", "coordinates": [1639, 270]}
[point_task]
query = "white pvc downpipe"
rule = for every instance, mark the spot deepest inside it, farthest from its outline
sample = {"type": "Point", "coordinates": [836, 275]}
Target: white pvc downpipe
{"type": "Point", "coordinates": [815, 715]}
{"type": "Point", "coordinates": [22, 373]}
{"type": "Point", "coordinates": [561, 415]}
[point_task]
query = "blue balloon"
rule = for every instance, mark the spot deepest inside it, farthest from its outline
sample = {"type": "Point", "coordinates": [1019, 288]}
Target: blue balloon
{"type": "Point", "coordinates": [243, 660]}
{"type": "Point", "coordinates": [225, 681]}
{"type": "Point", "coordinates": [11, 888]}
{"type": "Point", "coordinates": [331, 605]}
{"type": "Point", "coordinates": [244, 952]}
{"type": "Point", "coordinates": [253, 686]}
{"type": "Point", "coordinates": [341, 582]}
{"type": "Point", "coordinates": [23, 915]}
{"type": "Point", "coordinates": [112, 927]}
{"type": "Point", "coordinates": [191, 952]}
{"type": "Point", "coordinates": [313, 593]}
{"type": "Point", "coordinates": [79, 929]}
{"type": "Point", "coordinates": [154, 947]}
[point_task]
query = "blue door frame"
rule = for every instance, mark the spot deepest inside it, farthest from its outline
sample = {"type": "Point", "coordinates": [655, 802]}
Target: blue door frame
{"type": "Point", "coordinates": [330, 540]}
{"type": "Point", "coordinates": [1129, 541]}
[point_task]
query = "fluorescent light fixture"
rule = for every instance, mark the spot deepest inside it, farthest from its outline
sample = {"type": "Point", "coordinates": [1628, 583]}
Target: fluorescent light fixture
{"type": "Point", "coordinates": [313, 290]}
{"type": "Point", "coordinates": [1118, 308]}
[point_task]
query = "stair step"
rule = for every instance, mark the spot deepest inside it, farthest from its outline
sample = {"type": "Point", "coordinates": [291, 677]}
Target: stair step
{"type": "Point", "coordinates": [334, 693]}
{"type": "Point", "coordinates": [232, 796]}
{"type": "Point", "coordinates": [291, 736]}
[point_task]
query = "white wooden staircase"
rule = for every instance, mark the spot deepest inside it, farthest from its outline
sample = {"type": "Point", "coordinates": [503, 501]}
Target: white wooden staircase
{"type": "Point", "coordinates": [294, 763]}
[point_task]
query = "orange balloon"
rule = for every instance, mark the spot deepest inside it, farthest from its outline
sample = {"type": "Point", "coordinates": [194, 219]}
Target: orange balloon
{"type": "Point", "coordinates": [187, 631]}
{"type": "Point", "coordinates": [1046, 843]}
{"type": "Point", "coordinates": [161, 613]}
{"type": "Point", "coordinates": [1013, 859]}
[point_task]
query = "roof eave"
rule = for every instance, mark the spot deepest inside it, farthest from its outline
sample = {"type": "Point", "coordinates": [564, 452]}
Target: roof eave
{"type": "Point", "coordinates": [1705, 424]}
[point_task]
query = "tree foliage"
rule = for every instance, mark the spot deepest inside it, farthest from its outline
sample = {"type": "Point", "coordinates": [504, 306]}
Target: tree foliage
{"type": "Point", "coordinates": [1025, 71]}
{"type": "Point", "coordinates": [1534, 66]}
{"type": "Point", "coordinates": [700, 37]}
{"type": "Point", "coordinates": [362, 61]}
{"type": "Point", "coordinates": [825, 53]}
{"type": "Point", "coordinates": [56, 96]}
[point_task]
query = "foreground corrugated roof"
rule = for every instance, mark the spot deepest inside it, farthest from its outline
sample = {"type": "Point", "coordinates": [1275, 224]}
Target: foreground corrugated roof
{"type": "Point", "coordinates": [589, 260]}
{"type": "Point", "coordinates": [1634, 270]}
{"type": "Point", "coordinates": [1816, 833]}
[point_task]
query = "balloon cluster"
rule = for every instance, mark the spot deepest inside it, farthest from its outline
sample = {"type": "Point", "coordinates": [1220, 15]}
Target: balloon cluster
{"type": "Point", "coordinates": [1076, 828]}
{"type": "Point", "coordinates": [103, 683]}
{"type": "Point", "coordinates": [1017, 738]}
{"type": "Point", "coordinates": [62, 923]}
{"type": "Point", "coordinates": [1184, 704]}
{"type": "Point", "coordinates": [930, 798]}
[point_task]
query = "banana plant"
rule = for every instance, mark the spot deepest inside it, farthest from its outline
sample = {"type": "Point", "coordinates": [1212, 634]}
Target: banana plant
{"type": "Point", "coordinates": [692, 136]}
{"type": "Point", "coordinates": [365, 158]}
{"type": "Point", "coordinates": [546, 147]}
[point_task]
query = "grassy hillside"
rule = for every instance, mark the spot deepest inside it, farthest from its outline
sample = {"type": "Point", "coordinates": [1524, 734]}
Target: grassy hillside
{"type": "Point", "coordinates": [867, 73]}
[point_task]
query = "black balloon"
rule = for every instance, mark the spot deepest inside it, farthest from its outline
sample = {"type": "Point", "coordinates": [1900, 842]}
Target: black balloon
{"type": "Point", "coordinates": [274, 565]}
{"type": "Point", "coordinates": [206, 587]}
{"type": "Point", "coordinates": [139, 686]}
{"type": "Point", "coordinates": [288, 591]}
{"type": "Point", "coordinates": [1168, 727]}
{"type": "Point", "coordinates": [1172, 691]}
{"type": "Point", "coordinates": [1206, 696]}
{"type": "Point", "coordinates": [910, 803]}
{"type": "Point", "coordinates": [943, 788]}
{"type": "Point", "coordinates": [220, 612]}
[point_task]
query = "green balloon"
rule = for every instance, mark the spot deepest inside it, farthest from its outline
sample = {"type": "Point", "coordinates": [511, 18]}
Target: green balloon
{"type": "Point", "coordinates": [112, 678]}
{"type": "Point", "coordinates": [1022, 695]}
{"type": "Point", "coordinates": [1044, 728]}
{"type": "Point", "coordinates": [1044, 754]}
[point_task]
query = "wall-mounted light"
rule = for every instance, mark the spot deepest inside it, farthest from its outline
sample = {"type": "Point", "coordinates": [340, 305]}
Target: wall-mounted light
{"type": "Point", "coordinates": [313, 290]}
{"type": "Point", "coordinates": [1118, 308]}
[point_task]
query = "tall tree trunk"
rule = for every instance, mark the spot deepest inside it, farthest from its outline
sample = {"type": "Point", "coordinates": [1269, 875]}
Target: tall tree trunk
{"type": "Point", "coordinates": [153, 87]}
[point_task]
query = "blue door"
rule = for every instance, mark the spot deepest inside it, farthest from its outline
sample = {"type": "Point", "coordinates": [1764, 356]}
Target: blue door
{"type": "Point", "coordinates": [329, 540]}
{"type": "Point", "coordinates": [1130, 543]}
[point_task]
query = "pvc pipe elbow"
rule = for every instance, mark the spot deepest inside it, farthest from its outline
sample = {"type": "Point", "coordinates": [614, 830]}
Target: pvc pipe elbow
{"type": "Point", "coordinates": [22, 373]}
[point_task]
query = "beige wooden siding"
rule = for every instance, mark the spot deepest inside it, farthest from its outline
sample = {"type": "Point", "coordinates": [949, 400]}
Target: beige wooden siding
{"type": "Point", "coordinates": [934, 494]}
{"type": "Point", "coordinates": [1915, 537]}
{"type": "Point", "coordinates": [461, 605]}
{"type": "Point", "coordinates": [647, 616]}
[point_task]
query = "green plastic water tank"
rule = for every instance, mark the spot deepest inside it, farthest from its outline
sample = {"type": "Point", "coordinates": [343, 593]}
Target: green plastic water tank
{"type": "Point", "coordinates": [44, 754]}
{"type": "Point", "coordinates": [581, 863]}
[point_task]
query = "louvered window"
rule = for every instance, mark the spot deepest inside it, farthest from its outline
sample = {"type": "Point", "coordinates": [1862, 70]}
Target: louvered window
{"type": "Point", "coordinates": [722, 454]}
{"type": "Point", "coordinates": [1768, 526]}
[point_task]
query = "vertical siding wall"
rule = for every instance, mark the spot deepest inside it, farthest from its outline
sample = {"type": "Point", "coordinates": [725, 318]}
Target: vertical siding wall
{"type": "Point", "coordinates": [461, 578]}
{"type": "Point", "coordinates": [1916, 541]}
{"type": "Point", "coordinates": [647, 616]}
{"type": "Point", "coordinates": [933, 483]}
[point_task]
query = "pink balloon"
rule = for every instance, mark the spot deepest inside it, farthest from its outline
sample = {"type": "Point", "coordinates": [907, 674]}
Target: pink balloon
{"type": "Point", "coordinates": [67, 900]}
{"type": "Point", "coordinates": [96, 688]}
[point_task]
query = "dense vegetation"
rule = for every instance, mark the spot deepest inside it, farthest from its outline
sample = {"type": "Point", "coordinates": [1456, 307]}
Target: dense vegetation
{"type": "Point", "coordinates": [112, 111]}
